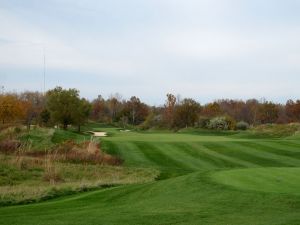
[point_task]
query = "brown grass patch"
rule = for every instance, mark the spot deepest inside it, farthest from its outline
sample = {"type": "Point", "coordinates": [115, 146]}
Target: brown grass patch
{"type": "Point", "coordinates": [8, 146]}
{"type": "Point", "coordinates": [87, 152]}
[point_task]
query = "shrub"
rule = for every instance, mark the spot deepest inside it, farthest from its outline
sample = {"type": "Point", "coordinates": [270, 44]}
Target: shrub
{"type": "Point", "coordinates": [203, 122]}
{"type": "Point", "coordinates": [151, 121]}
{"type": "Point", "coordinates": [218, 123]}
{"type": "Point", "coordinates": [242, 125]}
{"type": "Point", "coordinates": [222, 123]}
{"type": "Point", "coordinates": [17, 130]}
{"type": "Point", "coordinates": [231, 122]}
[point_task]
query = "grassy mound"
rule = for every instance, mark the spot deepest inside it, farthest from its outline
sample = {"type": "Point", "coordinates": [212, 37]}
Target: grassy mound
{"type": "Point", "coordinates": [275, 180]}
{"type": "Point", "coordinates": [271, 131]}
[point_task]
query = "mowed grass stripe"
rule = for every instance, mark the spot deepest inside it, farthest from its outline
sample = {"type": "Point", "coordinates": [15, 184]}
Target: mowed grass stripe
{"type": "Point", "coordinates": [176, 152]}
{"type": "Point", "coordinates": [263, 151]}
{"type": "Point", "coordinates": [222, 161]}
{"type": "Point", "coordinates": [193, 153]}
{"type": "Point", "coordinates": [254, 156]}
{"type": "Point", "coordinates": [286, 145]}
{"type": "Point", "coordinates": [291, 145]}
{"type": "Point", "coordinates": [261, 157]}
{"type": "Point", "coordinates": [206, 158]}
{"type": "Point", "coordinates": [216, 159]}
{"type": "Point", "coordinates": [230, 150]}
{"type": "Point", "coordinates": [133, 155]}
{"type": "Point", "coordinates": [280, 149]}
{"type": "Point", "coordinates": [129, 152]}
{"type": "Point", "coordinates": [160, 157]}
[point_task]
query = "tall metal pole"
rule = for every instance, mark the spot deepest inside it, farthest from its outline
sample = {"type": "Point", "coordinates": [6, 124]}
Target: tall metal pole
{"type": "Point", "coordinates": [44, 70]}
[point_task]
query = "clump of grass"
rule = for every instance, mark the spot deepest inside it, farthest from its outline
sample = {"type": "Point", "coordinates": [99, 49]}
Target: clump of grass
{"type": "Point", "coordinates": [40, 139]}
{"type": "Point", "coordinates": [8, 146]}
{"type": "Point", "coordinates": [87, 152]}
{"type": "Point", "coordinates": [275, 130]}
{"type": "Point", "coordinates": [51, 173]}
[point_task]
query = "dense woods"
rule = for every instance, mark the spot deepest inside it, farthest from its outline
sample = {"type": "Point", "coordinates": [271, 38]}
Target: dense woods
{"type": "Point", "coordinates": [65, 107]}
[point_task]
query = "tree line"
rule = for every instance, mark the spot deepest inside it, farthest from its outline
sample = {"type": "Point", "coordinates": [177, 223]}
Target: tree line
{"type": "Point", "coordinates": [65, 107]}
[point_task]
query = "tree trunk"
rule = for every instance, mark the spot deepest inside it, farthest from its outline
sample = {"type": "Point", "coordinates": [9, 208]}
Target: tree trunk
{"type": "Point", "coordinates": [65, 126]}
{"type": "Point", "coordinates": [78, 128]}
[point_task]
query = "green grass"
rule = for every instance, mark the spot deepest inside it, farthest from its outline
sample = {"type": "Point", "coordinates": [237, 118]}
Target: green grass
{"type": "Point", "coordinates": [277, 180]}
{"type": "Point", "coordinates": [41, 139]}
{"type": "Point", "coordinates": [206, 178]}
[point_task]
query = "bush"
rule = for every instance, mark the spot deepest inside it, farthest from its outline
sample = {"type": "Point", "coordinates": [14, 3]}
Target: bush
{"type": "Point", "coordinates": [151, 121]}
{"type": "Point", "coordinates": [242, 125]}
{"type": "Point", "coordinates": [218, 123]}
{"type": "Point", "coordinates": [222, 123]}
{"type": "Point", "coordinates": [231, 122]}
{"type": "Point", "coordinates": [17, 130]}
{"type": "Point", "coordinates": [203, 122]}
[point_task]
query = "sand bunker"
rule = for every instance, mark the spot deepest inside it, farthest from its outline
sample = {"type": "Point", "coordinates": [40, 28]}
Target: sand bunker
{"type": "Point", "coordinates": [99, 134]}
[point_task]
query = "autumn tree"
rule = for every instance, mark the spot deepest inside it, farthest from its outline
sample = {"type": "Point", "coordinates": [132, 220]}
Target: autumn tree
{"type": "Point", "coordinates": [135, 111]}
{"type": "Point", "coordinates": [187, 113]}
{"type": "Point", "coordinates": [32, 105]}
{"type": "Point", "coordinates": [232, 108]}
{"type": "Point", "coordinates": [100, 111]}
{"type": "Point", "coordinates": [169, 110]}
{"type": "Point", "coordinates": [293, 110]}
{"type": "Point", "coordinates": [114, 104]}
{"type": "Point", "coordinates": [10, 108]}
{"type": "Point", "coordinates": [268, 112]}
{"type": "Point", "coordinates": [211, 110]}
{"type": "Point", "coordinates": [250, 111]}
{"type": "Point", "coordinates": [133, 105]}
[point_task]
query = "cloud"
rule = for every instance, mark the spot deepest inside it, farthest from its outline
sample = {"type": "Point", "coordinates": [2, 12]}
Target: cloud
{"type": "Point", "coordinates": [24, 44]}
{"type": "Point", "coordinates": [211, 48]}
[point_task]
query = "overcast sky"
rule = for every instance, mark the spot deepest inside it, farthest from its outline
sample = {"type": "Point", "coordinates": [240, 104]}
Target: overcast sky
{"type": "Point", "coordinates": [204, 49]}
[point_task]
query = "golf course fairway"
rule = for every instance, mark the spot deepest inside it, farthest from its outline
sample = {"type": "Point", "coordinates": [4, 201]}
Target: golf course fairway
{"type": "Point", "coordinates": [206, 178]}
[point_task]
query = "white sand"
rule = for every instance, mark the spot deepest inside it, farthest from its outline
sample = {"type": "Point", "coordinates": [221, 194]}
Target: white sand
{"type": "Point", "coordinates": [99, 134]}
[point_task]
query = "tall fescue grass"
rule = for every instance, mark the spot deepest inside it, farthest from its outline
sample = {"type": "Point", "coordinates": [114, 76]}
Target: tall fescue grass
{"type": "Point", "coordinates": [44, 163]}
{"type": "Point", "coordinates": [43, 179]}
{"type": "Point", "coordinates": [273, 131]}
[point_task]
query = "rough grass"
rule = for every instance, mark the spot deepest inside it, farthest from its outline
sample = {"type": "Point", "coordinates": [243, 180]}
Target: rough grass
{"type": "Point", "coordinates": [48, 163]}
{"type": "Point", "coordinates": [272, 131]}
{"type": "Point", "coordinates": [185, 193]}
{"type": "Point", "coordinates": [31, 182]}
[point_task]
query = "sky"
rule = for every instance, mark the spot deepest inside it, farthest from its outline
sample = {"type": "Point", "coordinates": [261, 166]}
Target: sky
{"type": "Point", "coordinates": [203, 49]}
